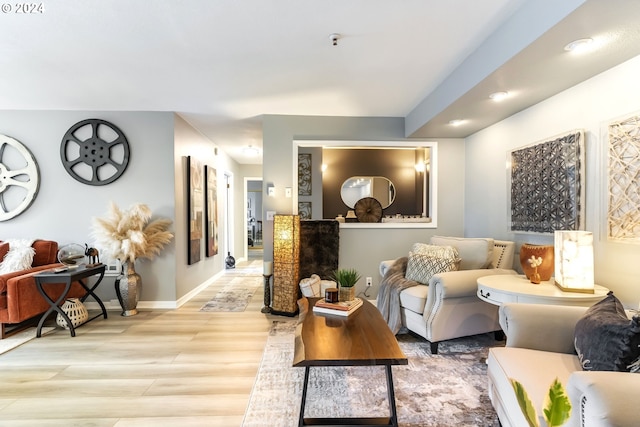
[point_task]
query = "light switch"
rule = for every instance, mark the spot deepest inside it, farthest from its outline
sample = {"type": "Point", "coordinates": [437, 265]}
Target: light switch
{"type": "Point", "coordinates": [270, 215]}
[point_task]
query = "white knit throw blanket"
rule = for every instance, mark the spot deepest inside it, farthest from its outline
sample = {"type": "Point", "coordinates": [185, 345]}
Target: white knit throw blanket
{"type": "Point", "coordinates": [19, 257]}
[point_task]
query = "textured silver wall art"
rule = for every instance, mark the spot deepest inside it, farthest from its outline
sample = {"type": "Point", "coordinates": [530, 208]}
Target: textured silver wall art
{"type": "Point", "coordinates": [547, 191]}
{"type": "Point", "coordinates": [623, 219]}
{"type": "Point", "coordinates": [304, 174]}
{"type": "Point", "coordinates": [19, 178]}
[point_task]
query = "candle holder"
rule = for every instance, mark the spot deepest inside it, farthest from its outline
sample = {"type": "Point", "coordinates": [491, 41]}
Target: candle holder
{"type": "Point", "coordinates": [267, 293]}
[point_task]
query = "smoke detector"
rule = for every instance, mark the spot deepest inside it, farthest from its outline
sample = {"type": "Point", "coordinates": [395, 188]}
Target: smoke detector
{"type": "Point", "coordinates": [334, 37]}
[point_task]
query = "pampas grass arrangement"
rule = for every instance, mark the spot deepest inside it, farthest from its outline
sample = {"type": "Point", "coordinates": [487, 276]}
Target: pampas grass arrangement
{"type": "Point", "coordinates": [128, 235]}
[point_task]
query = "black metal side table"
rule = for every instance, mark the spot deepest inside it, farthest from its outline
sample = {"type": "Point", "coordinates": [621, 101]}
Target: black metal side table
{"type": "Point", "coordinates": [67, 277]}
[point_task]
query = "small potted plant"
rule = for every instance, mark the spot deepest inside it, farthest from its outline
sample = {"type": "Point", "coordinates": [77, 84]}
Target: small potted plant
{"type": "Point", "coordinates": [346, 279]}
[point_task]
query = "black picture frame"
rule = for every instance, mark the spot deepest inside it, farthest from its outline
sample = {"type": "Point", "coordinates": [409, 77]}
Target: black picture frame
{"type": "Point", "coordinates": [194, 209]}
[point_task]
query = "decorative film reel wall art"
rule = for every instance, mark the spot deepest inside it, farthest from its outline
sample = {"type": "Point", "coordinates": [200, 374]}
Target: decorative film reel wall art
{"type": "Point", "coordinates": [19, 178]}
{"type": "Point", "coordinates": [623, 212]}
{"type": "Point", "coordinates": [547, 190]}
{"type": "Point", "coordinates": [94, 152]}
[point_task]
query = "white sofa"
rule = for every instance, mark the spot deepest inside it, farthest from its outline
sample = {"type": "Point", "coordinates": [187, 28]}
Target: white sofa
{"type": "Point", "coordinates": [449, 306]}
{"type": "Point", "coordinates": [540, 348]}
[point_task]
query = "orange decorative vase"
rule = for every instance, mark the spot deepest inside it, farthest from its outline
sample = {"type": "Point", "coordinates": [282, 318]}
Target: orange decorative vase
{"type": "Point", "coordinates": [545, 270]}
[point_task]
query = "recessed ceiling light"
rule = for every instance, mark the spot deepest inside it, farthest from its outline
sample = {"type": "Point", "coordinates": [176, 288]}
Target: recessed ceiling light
{"type": "Point", "coordinates": [499, 96]}
{"type": "Point", "coordinates": [456, 122]}
{"type": "Point", "coordinates": [579, 46]}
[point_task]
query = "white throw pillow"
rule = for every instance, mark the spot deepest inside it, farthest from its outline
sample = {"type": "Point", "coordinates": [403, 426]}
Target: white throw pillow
{"type": "Point", "coordinates": [19, 257]}
{"type": "Point", "coordinates": [474, 253]}
{"type": "Point", "coordinates": [435, 250]}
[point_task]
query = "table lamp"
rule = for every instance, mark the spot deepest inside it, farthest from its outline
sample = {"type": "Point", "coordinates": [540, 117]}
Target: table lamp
{"type": "Point", "coordinates": [574, 261]}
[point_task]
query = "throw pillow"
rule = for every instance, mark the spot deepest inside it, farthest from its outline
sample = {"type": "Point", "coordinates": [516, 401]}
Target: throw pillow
{"type": "Point", "coordinates": [4, 248]}
{"type": "Point", "coordinates": [605, 338]}
{"type": "Point", "coordinates": [19, 257]}
{"type": "Point", "coordinates": [421, 267]}
{"type": "Point", "coordinates": [435, 250]}
{"type": "Point", "coordinates": [474, 252]}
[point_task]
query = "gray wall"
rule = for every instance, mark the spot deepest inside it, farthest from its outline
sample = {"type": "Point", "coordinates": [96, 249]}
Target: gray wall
{"type": "Point", "coordinates": [63, 208]}
{"type": "Point", "coordinates": [190, 142]}
{"type": "Point", "coordinates": [362, 249]}
{"type": "Point", "coordinates": [589, 106]}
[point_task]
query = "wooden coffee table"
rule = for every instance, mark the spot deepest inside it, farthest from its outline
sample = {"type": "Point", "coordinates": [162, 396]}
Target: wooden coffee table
{"type": "Point", "coordinates": [361, 339]}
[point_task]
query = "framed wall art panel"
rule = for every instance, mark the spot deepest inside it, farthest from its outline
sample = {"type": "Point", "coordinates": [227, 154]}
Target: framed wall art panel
{"type": "Point", "coordinates": [547, 185]}
{"type": "Point", "coordinates": [195, 205]}
{"type": "Point", "coordinates": [304, 210]}
{"type": "Point", "coordinates": [211, 210]}
{"type": "Point", "coordinates": [623, 156]}
{"type": "Point", "coordinates": [304, 174]}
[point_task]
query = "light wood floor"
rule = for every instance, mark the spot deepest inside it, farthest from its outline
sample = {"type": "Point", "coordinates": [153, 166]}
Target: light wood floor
{"type": "Point", "coordinates": [159, 368]}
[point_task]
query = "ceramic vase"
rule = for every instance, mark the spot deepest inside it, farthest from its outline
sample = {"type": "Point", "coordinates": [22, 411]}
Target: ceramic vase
{"type": "Point", "coordinates": [128, 288]}
{"type": "Point", "coordinates": [347, 294]}
{"type": "Point", "coordinates": [545, 270]}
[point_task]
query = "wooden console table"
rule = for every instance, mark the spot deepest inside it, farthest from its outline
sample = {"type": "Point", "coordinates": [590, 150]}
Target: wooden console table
{"type": "Point", "coordinates": [67, 278]}
{"type": "Point", "coordinates": [361, 339]}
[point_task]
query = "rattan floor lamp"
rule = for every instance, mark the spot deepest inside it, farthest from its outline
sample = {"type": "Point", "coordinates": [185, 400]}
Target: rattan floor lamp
{"type": "Point", "coordinates": [286, 264]}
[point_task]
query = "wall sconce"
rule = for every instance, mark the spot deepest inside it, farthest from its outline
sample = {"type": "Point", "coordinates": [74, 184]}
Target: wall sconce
{"type": "Point", "coordinates": [286, 264]}
{"type": "Point", "coordinates": [421, 167]}
{"type": "Point", "coordinates": [573, 255]}
{"type": "Point", "coordinates": [271, 190]}
{"type": "Point", "coordinates": [323, 168]}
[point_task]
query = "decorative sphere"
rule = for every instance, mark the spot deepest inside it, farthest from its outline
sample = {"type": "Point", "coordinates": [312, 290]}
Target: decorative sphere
{"type": "Point", "coordinates": [71, 255]}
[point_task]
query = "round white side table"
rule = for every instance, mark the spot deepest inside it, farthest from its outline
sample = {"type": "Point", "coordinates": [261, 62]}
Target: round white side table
{"type": "Point", "coordinates": [517, 288]}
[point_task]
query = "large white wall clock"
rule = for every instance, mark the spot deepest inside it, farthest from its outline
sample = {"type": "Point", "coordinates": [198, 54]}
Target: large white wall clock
{"type": "Point", "coordinates": [94, 152]}
{"type": "Point", "coordinates": [19, 178]}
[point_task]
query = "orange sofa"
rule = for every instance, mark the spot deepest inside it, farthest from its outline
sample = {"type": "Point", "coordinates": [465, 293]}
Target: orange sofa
{"type": "Point", "coordinates": [19, 296]}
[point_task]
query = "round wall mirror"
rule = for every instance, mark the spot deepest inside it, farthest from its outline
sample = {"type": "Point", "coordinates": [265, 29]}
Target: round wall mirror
{"type": "Point", "coordinates": [358, 187]}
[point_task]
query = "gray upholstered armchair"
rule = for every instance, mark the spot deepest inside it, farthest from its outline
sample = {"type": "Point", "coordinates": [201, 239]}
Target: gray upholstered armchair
{"type": "Point", "coordinates": [448, 306]}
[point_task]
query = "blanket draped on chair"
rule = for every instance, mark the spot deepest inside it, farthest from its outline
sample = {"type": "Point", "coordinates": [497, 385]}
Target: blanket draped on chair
{"type": "Point", "coordinates": [392, 284]}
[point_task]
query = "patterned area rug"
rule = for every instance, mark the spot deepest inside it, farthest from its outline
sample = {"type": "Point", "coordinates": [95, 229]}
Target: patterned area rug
{"type": "Point", "coordinates": [234, 296]}
{"type": "Point", "coordinates": [448, 389]}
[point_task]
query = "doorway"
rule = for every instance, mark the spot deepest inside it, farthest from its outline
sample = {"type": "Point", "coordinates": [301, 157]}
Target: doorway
{"type": "Point", "coordinates": [253, 217]}
{"type": "Point", "coordinates": [230, 261]}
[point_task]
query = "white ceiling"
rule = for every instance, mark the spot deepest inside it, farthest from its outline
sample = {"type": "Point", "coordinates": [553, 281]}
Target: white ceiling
{"type": "Point", "coordinates": [222, 64]}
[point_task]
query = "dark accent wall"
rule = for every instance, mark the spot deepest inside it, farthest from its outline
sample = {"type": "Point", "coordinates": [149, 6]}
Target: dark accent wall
{"type": "Point", "coordinates": [397, 165]}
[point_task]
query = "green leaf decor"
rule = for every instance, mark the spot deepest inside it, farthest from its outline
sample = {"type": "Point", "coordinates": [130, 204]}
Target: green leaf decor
{"type": "Point", "coordinates": [346, 278]}
{"type": "Point", "coordinates": [557, 407]}
{"type": "Point", "coordinates": [525, 404]}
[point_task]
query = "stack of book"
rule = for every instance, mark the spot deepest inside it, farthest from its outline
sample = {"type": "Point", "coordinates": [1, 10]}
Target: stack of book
{"type": "Point", "coordinates": [343, 308]}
